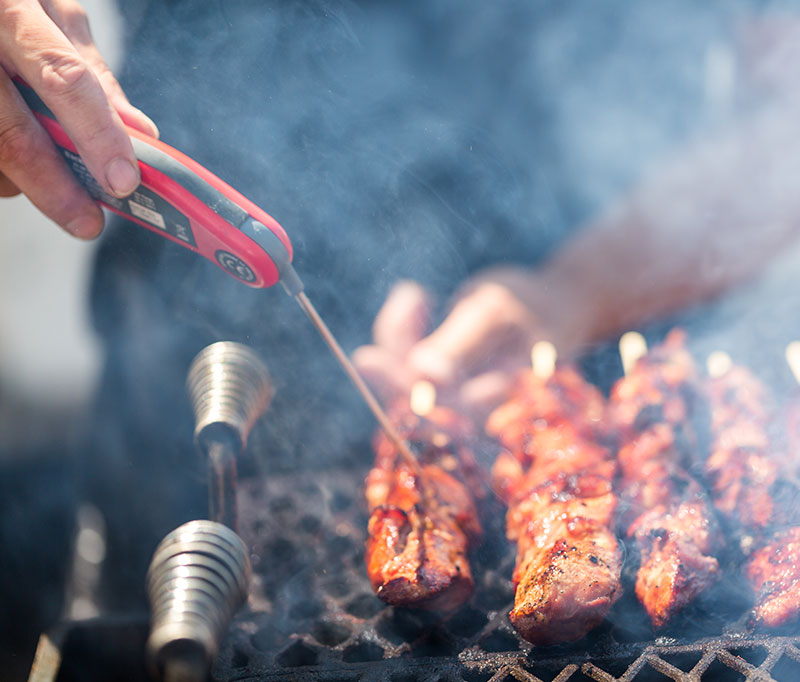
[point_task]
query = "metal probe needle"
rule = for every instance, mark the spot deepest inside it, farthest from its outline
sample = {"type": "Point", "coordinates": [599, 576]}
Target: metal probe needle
{"type": "Point", "coordinates": [355, 377]}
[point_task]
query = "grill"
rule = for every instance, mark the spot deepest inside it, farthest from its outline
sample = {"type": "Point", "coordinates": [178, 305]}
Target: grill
{"type": "Point", "coordinates": [312, 614]}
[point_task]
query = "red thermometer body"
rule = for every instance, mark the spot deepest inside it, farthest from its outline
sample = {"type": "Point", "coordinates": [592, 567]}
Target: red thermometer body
{"type": "Point", "coordinates": [187, 204]}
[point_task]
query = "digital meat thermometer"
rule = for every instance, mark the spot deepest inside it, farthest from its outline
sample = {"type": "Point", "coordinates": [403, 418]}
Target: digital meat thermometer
{"type": "Point", "coordinates": [187, 204]}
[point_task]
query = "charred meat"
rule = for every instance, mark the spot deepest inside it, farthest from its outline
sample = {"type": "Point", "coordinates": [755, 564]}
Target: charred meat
{"type": "Point", "coordinates": [661, 388]}
{"type": "Point", "coordinates": [558, 488]}
{"type": "Point", "coordinates": [423, 519]}
{"type": "Point", "coordinates": [664, 509]}
{"type": "Point", "coordinates": [743, 468]}
{"type": "Point", "coordinates": [773, 571]}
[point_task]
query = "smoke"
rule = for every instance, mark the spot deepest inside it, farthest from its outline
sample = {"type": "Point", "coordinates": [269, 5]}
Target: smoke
{"type": "Point", "coordinates": [421, 139]}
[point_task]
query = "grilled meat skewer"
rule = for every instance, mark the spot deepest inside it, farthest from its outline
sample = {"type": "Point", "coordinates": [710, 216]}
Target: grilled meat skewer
{"type": "Point", "coordinates": [773, 571]}
{"type": "Point", "coordinates": [670, 519]}
{"type": "Point", "coordinates": [743, 469]}
{"type": "Point", "coordinates": [660, 388]}
{"type": "Point", "coordinates": [665, 510]}
{"type": "Point", "coordinates": [564, 396]}
{"type": "Point", "coordinates": [558, 488]}
{"type": "Point", "coordinates": [423, 522]}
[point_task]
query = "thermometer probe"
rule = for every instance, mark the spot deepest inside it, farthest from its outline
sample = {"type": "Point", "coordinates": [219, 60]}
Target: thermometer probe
{"type": "Point", "coordinates": [187, 204]}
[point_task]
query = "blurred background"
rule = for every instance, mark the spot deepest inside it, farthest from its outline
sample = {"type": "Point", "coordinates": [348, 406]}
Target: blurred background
{"type": "Point", "coordinates": [48, 355]}
{"type": "Point", "coordinates": [49, 363]}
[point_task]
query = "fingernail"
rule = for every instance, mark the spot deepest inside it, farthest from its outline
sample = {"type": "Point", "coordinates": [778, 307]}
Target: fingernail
{"type": "Point", "coordinates": [156, 131]}
{"type": "Point", "coordinates": [85, 226]}
{"type": "Point", "coordinates": [122, 177]}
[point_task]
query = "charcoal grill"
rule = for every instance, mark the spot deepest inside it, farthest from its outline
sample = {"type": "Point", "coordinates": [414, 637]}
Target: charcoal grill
{"type": "Point", "coordinates": [313, 617]}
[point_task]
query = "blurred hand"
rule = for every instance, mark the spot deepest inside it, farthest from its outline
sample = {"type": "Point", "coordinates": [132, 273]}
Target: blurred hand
{"type": "Point", "coordinates": [48, 44]}
{"type": "Point", "coordinates": [472, 356]}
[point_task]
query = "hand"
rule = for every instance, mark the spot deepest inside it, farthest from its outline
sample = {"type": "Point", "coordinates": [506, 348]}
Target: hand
{"type": "Point", "coordinates": [48, 44]}
{"type": "Point", "coordinates": [472, 356]}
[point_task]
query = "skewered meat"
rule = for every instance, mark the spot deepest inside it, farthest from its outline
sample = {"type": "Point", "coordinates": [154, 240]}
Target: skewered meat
{"type": "Point", "coordinates": [664, 510]}
{"type": "Point", "coordinates": [558, 488]}
{"type": "Point", "coordinates": [659, 389]}
{"type": "Point", "coordinates": [423, 520]}
{"type": "Point", "coordinates": [742, 467]}
{"type": "Point", "coordinates": [568, 560]}
{"type": "Point", "coordinates": [565, 396]}
{"type": "Point", "coordinates": [676, 543]}
{"type": "Point", "coordinates": [774, 574]}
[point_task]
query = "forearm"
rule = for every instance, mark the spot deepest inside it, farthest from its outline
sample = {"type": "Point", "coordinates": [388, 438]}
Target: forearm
{"type": "Point", "coordinates": [715, 215]}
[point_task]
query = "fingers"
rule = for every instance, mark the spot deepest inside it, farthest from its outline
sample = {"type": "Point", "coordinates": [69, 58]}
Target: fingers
{"type": "Point", "coordinates": [482, 329]}
{"type": "Point", "coordinates": [479, 395]}
{"type": "Point", "coordinates": [71, 18]}
{"type": "Point", "coordinates": [40, 52]}
{"type": "Point", "coordinates": [403, 319]}
{"type": "Point", "coordinates": [471, 357]}
{"type": "Point", "coordinates": [50, 45]}
{"type": "Point", "coordinates": [29, 161]}
{"type": "Point", "coordinates": [400, 324]}
{"type": "Point", "coordinates": [385, 372]}
{"type": "Point", "coordinates": [7, 188]}
{"type": "Point", "coordinates": [392, 379]}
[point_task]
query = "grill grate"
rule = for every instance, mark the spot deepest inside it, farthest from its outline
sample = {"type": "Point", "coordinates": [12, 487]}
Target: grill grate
{"type": "Point", "coordinates": [313, 617]}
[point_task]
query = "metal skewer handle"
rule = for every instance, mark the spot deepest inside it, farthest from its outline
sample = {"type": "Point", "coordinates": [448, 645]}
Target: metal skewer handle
{"type": "Point", "coordinates": [197, 580]}
{"type": "Point", "coordinates": [230, 388]}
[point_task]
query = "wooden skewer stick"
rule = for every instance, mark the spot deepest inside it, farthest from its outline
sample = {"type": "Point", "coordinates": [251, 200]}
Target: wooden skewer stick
{"type": "Point", "coordinates": [793, 358]}
{"type": "Point", "coordinates": [543, 359]}
{"type": "Point", "coordinates": [632, 346]}
{"type": "Point", "coordinates": [718, 363]}
{"type": "Point", "coordinates": [423, 397]}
